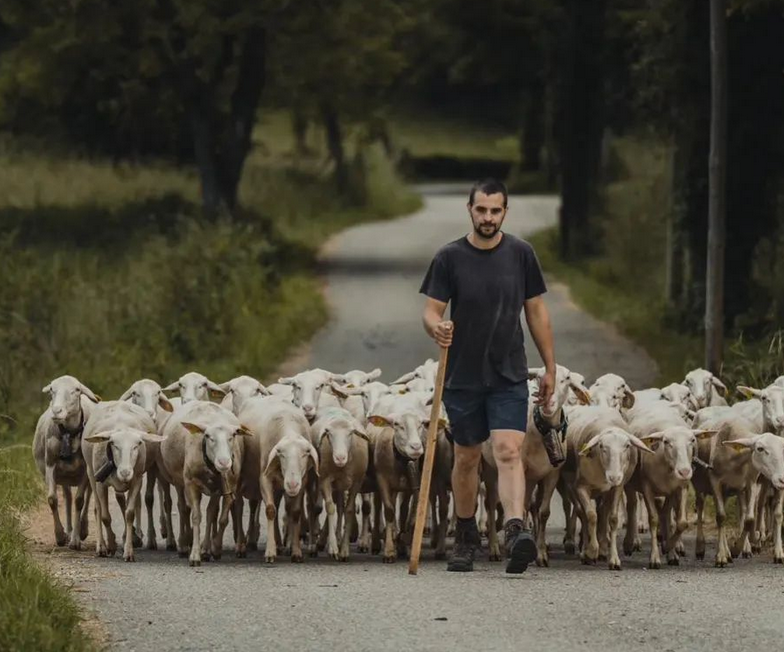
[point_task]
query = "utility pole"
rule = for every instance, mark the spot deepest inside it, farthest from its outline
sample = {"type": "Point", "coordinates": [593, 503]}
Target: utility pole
{"type": "Point", "coordinates": [717, 176]}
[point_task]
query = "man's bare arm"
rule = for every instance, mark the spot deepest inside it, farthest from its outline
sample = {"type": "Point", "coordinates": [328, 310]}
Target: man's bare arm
{"type": "Point", "coordinates": [435, 325]}
{"type": "Point", "coordinates": [538, 318]}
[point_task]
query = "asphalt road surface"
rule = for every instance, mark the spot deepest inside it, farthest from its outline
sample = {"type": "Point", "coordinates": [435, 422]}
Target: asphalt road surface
{"type": "Point", "coordinates": [373, 274]}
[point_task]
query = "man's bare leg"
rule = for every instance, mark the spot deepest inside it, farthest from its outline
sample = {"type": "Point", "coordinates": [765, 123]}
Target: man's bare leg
{"type": "Point", "coordinates": [520, 544]}
{"type": "Point", "coordinates": [465, 488]}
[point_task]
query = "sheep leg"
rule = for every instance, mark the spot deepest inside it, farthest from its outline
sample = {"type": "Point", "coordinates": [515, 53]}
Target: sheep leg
{"type": "Point", "coordinates": [137, 531]}
{"type": "Point", "coordinates": [102, 498]}
{"type": "Point", "coordinates": [68, 506]}
{"type": "Point", "coordinates": [654, 561]}
{"type": "Point", "coordinates": [545, 493]}
{"type": "Point", "coordinates": [193, 496]}
{"type": "Point", "coordinates": [760, 533]}
{"type": "Point", "coordinates": [332, 517]}
{"type": "Point", "coordinates": [613, 507]}
{"type": "Point", "coordinates": [213, 503]}
{"type": "Point", "coordinates": [491, 500]}
{"type": "Point", "coordinates": [632, 506]}
{"type": "Point", "coordinates": [699, 549]}
{"type": "Point", "coordinates": [227, 502]}
{"type": "Point", "coordinates": [601, 526]}
{"type": "Point", "coordinates": [345, 547]}
{"type": "Point", "coordinates": [389, 499]}
{"type": "Point", "coordinates": [481, 510]}
{"type": "Point", "coordinates": [134, 493]}
{"type": "Point", "coordinates": [294, 510]}
{"type": "Point", "coordinates": [253, 525]}
{"type": "Point", "coordinates": [681, 524]}
{"type": "Point", "coordinates": [166, 522]}
{"type": "Point", "coordinates": [588, 509]}
{"type": "Point", "coordinates": [443, 521]}
{"type": "Point", "coordinates": [749, 496]}
{"type": "Point", "coordinates": [186, 535]}
{"type": "Point", "coordinates": [149, 503]}
{"type": "Point", "coordinates": [83, 507]}
{"type": "Point", "coordinates": [365, 537]}
{"type": "Point", "coordinates": [778, 510]}
{"type": "Point", "coordinates": [313, 522]}
{"type": "Point", "coordinates": [375, 539]}
{"type": "Point", "coordinates": [240, 540]}
{"type": "Point", "coordinates": [271, 513]}
{"type": "Point", "coordinates": [722, 550]}
{"type": "Point", "coordinates": [51, 489]}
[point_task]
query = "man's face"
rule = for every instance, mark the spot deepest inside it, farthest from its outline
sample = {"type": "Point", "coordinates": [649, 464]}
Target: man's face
{"type": "Point", "coordinates": [487, 214]}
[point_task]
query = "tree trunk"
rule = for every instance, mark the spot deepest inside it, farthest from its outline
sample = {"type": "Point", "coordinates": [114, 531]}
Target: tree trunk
{"type": "Point", "coordinates": [581, 124]}
{"type": "Point", "coordinates": [717, 171]}
{"type": "Point", "coordinates": [206, 160]}
{"type": "Point", "coordinates": [299, 125]}
{"type": "Point", "coordinates": [335, 145]}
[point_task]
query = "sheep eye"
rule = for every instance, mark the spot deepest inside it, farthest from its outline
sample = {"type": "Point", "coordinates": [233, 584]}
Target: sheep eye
{"type": "Point", "coordinates": [761, 450]}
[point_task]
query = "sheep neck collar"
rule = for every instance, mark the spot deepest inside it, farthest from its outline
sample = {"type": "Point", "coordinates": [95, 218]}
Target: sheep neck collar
{"type": "Point", "coordinates": [545, 427]}
{"type": "Point", "coordinates": [207, 461]}
{"type": "Point", "coordinates": [67, 436]}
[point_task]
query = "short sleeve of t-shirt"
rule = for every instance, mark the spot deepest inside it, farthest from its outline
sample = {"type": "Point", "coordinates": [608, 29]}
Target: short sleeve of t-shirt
{"type": "Point", "coordinates": [437, 283]}
{"type": "Point", "coordinates": [534, 280]}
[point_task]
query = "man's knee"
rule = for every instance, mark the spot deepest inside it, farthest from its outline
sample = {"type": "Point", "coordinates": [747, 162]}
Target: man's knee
{"type": "Point", "coordinates": [467, 458]}
{"type": "Point", "coordinates": [507, 447]}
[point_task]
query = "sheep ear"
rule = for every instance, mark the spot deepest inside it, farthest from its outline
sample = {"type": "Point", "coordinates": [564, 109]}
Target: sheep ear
{"type": "Point", "coordinates": [174, 388]}
{"type": "Point", "coordinates": [405, 378]}
{"type": "Point", "coordinates": [215, 390]}
{"type": "Point", "coordinates": [225, 387]}
{"type": "Point", "coordinates": [164, 403]}
{"type": "Point", "coordinates": [721, 388]}
{"type": "Point", "coordinates": [152, 438]}
{"type": "Point", "coordinates": [628, 399]}
{"type": "Point", "coordinates": [338, 391]}
{"type": "Point", "coordinates": [98, 437]}
{"type": "Point", "coordinates": [337, 378]}
{"type": "Point", "coordinates": [638, 444]}
{"type": "Point", "coordinates": [286, 381]}
{"type": "Point", "coordinates": [748, 392]}
{"type": "Point", "coordinates": [534, 373]}
{"type": "Point", "coordinates": [126, 394]}
{"type": "Point", "coordinates": [583, 395]}
{"type": "Point", "coordinates": [264, 390]}
{"type": "Point", "coordinates": [374, 375]}
{"type": "Point", "coordinates": [243, 431]}
{"type": "Point", "coordinates": [653, 440]}
{"type": "Point", "coordinates": [192, 428]}
{"type": "Point", "coordinates": [586, 450]}
{"type": "Point", "coordinates": [704, 434]}
{"type": "Point", "coordinates": [740, 445]}
{"type": "Point", "coordinates": [361, 433]}
{"type": "Point", "coordinates": [379, 421]}
{"type": "Point", "coordinates": [272, 457]}
{"type": "Point", "coordinates": [47, 389]}
{"type": "Point", "coordinates": [314, 456]}
{"type": "Point", "coordinates": [89, 393]}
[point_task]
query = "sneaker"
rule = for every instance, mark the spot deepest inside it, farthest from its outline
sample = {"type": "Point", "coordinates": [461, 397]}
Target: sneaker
{"type": "Point", "coordinates": [466, 542]}
{"type": "Point", "coordinates": [520, 546]}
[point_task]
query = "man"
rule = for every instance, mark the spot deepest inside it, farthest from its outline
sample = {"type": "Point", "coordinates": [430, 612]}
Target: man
{"type": "Point", "coordinates": [489, 277]}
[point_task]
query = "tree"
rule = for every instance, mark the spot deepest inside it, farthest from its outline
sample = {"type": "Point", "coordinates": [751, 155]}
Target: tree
{"type": "Point", "coordinates": [717, 171]}
{"type": "Point", "coordinates": [165, 77]}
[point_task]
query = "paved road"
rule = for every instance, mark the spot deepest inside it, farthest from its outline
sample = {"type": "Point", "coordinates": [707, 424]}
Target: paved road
{"type": "Point", "coordinates": [161, 604]}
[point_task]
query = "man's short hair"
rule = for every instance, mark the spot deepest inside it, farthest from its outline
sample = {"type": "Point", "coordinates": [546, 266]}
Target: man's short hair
{"type": "Point", "coordinates": [489, 187]}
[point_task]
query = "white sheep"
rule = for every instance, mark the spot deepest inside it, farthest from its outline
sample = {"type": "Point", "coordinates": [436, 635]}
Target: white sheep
{"type": "Point", "coordinates": [707, 389]}
{"type": "Point", "coordinates": [308, 390]}
{"type": "Point", "coordinates": [194, 387]}
{"type": "Point", "coordinates": [58, 455]}
{"type": "Point", "coordinates": [610, 390]}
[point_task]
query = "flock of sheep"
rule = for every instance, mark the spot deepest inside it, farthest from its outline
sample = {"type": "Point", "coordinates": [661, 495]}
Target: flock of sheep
{"type": "Point", "coordinates": [335, 459]}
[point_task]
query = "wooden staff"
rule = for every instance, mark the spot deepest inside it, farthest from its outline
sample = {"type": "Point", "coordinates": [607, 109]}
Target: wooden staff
{"type": "Point", "coordinates": [427, 470]}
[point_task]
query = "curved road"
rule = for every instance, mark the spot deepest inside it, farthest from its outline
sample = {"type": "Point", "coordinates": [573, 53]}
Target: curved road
{"type": "Point", "coordinates": [373, 274]}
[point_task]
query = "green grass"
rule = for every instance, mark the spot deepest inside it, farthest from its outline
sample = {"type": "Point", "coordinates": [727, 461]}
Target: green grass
{"type": "Point", "coordinates": [110, 273]}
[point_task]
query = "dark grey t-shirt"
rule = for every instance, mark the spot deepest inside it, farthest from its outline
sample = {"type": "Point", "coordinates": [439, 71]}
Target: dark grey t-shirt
{"type": "Point", "coordinates": [486, 288]}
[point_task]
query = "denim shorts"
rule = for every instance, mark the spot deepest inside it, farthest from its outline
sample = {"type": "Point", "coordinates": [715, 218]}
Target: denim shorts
{"type": "Point", "coordinates": [473, 413]}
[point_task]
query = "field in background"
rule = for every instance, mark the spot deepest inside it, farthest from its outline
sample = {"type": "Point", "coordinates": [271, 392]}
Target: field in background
{"type": "Point", "coordinates": [111, 274]}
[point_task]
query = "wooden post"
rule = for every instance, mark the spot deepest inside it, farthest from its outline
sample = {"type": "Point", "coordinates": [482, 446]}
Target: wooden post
{"type": "Point", "coordinates": [427, 470]}
{"type": "Point", "coordinates": [717, 175]}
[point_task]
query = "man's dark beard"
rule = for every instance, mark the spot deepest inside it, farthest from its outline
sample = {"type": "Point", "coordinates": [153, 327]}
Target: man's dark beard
{"type": "Point", "coordinates": [484, 234]}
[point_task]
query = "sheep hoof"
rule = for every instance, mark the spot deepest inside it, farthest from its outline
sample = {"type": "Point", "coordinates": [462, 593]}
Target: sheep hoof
{"type": "Point", "coordinates": [75, 545]}
{"type": "Point", "coordinates": [778, 560]}
{"type": "Point", "coordinates": [746, 554]}
{"type": "Point", "coordinates": [343, 558]}
{"type": "Point", "coordinates": [756, 550]}
{"type": "Point", "coordinates": [674, 561]}
{"type": "Point", "coordinates": [253, 545]}
{"type": "Point", "coordinates": [60, 538]}
{"type": "Point", "coordinates": [152, 544]}
{"type": "Point", "coordinates": [654, 565]}
{"type": "Point", "coordinates": [110, 552]}
{"type": "Point", "coordinates": [102, 552]}
{"type": "Point", "coordinates": [216, 556]}
{"type": "Point", "coordinates": [543, 562]}
{"type": "Point", "coordinates": [699, 555]}
{"type": "Point", "coordinates": [494, 556]}
{"type": "Point", "coordinates": [614, 566]}
{"type": "Point", "coordinates": [130, 558]}
{"type": "Point", "coordinates": [569, 548]}
{"type": "Point", "coordinates": [137, 541]}
{"type": "Point", "coordinates": [588, 561]}
{"type": "Point", "coordinates": [334, 555]}
{"type": "Point", "coordinates": [363, 549]}
{"type": "Point", "coordinates": [269, 560]}
{"type": "Point", "coordinates": [195, 562]}
{"type": "Point", "coordinates": [375, 550]}
{"type": "Point", "coordinates": [297, 559]}
{"type": "Point", "coordinates": [628, 550]}
{"type": "Point", "coordinates": [241, 554]}
{"type": "Point", "coordinates": [389, 559]}
{"type": "Point", "coordinates": [171, 547]}
{"type": "Point", "coordinates": [206, 556]}
{"type": "Point", "coordinates": [721, 563]}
